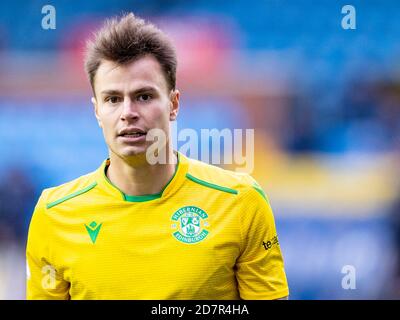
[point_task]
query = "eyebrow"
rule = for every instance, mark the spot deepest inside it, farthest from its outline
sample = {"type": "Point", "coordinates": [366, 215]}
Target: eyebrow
{"type": "Point", "coordinates": [135, 92]}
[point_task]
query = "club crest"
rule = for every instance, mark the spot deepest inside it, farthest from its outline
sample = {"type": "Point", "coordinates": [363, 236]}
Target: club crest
{"type": "Point", "coordinates": [189, 224]}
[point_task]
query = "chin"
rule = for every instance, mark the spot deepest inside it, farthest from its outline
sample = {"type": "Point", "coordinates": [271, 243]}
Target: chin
{"type": "Point", "coordinates": [133, 152]}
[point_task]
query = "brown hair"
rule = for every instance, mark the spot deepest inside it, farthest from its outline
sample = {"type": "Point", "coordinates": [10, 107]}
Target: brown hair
{"type": "Point", "coordinates": [127, 38]}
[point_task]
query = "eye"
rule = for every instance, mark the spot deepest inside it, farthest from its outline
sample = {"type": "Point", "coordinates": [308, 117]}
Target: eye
{"type": "Point", "coordinates": [144, 97]}
{"type": "Point", "coordinates": [113, 99]}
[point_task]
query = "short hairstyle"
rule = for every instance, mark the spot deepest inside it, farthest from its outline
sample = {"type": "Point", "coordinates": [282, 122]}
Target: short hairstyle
{"type": "Point", "coordinates": [128, 38]}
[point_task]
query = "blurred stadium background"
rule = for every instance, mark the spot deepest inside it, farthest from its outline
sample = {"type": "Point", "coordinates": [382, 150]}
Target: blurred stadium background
{"type": "Point", "coordinates": [324, 103]}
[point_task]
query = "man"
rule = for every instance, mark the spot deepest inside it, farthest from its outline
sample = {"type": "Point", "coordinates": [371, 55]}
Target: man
{"type": "Point", "coordinates": [181, 229]}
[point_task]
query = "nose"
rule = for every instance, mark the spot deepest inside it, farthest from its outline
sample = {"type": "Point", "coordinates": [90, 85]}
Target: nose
{"type": "Point", "coordinates": [129, 110]}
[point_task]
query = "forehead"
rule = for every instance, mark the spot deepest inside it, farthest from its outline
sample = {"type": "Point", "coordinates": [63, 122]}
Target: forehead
{"type": "Point", "coordinates": [143, 72]}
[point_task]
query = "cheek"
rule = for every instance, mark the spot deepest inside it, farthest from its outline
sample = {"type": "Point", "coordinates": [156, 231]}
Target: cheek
{"type": "Point", "coordinates": [159, 113]}
{"type": "Point", "coordinates": [108, 125]}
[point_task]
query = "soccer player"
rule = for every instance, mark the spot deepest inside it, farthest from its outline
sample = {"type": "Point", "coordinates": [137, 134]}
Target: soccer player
{"type": "Point", "coordinates": [181, 229]}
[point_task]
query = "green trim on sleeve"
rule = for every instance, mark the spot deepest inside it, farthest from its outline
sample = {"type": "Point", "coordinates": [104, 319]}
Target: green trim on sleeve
{"type": "Point", "coordinates": [210, 185]}
{"type": "Point", "coordinates": [261, 192]}
{"type": "Point", "coordinates": [72, 195]}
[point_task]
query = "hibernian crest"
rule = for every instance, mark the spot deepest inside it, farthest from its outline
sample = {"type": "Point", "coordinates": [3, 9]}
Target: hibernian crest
{"type": "Point", "coordinates": [190, 223]}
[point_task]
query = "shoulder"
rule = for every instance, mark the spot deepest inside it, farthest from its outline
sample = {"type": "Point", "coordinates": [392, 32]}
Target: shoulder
{"type": "Point", "coordinates": [42, 220]}
{"type": "Point", "coordinates": [218, 178]}
{"type": "Point", "coordinates": [51, 197]}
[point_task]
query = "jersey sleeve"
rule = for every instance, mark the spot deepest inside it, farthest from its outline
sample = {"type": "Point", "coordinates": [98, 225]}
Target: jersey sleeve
{"type": "Point", "coordinates": [43, 281]}
{"type": "Point", "coordinates": [260, 269]}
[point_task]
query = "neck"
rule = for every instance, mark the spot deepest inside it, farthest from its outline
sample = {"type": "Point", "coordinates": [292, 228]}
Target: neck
{"type": "Point", "coordinates": [136, 177]}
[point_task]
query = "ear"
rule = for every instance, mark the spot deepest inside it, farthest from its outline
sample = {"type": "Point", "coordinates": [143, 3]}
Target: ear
{"type": "Point", "coordinates": [96, 111]}
{"type": "Point", "coordinates": [174, 109]}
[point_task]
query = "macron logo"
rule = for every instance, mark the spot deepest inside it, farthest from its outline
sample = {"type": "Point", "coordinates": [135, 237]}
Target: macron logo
{"type": "Point", "coordinates": [93, 229]}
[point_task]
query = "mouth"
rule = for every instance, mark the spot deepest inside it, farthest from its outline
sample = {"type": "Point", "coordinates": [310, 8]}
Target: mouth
{"type": "Point", "coordinates": [132, 134]}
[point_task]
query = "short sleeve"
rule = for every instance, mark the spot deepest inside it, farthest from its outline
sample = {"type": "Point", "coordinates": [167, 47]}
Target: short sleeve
{"type": "Point", "coordinates": [260, 269]}
{"type": "Point", "coordinates": [43, 281]}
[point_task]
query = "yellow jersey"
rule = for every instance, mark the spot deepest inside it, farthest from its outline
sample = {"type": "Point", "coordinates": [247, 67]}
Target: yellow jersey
{"type": "Point", "coordinates": [210, 234]}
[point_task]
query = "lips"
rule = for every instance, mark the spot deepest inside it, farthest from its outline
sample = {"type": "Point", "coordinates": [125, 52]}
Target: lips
{"type": "Point", "coordinates": [132, 133]}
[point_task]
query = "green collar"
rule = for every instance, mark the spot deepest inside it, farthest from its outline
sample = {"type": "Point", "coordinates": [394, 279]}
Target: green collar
{"type": "Point", "coordinates": [141, 198]}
